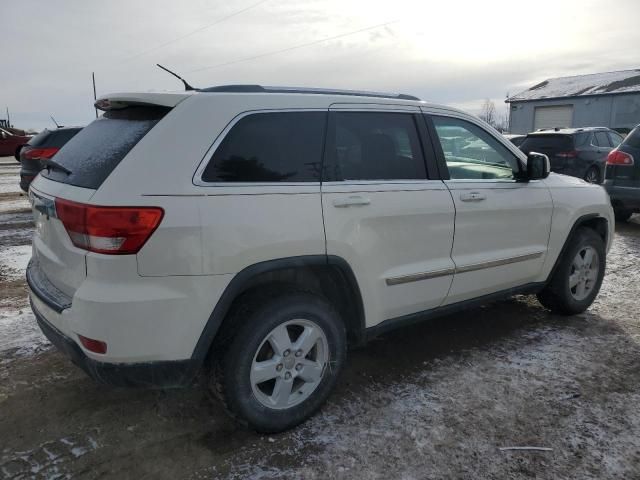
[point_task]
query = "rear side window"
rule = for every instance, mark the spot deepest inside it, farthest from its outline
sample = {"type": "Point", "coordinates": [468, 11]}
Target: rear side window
{"type": "Point", "coordinates": [602, 140]}
{"type": "Point", "coordinates": [582, 139]}
{"type": "Point", "coordinates": [374, 146]}
{"type": "Point", "coordinates": [633, 139]}
{"type": "Point", "coordinates": [270, 147]}
{"type": "Point", "coordinates": [92, 154]}
{"type": "Point", "coordinates": [547, 143]}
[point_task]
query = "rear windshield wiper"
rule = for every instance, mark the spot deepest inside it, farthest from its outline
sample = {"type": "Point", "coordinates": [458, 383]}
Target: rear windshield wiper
{"type": "Point", "coordinates": [56, 166]}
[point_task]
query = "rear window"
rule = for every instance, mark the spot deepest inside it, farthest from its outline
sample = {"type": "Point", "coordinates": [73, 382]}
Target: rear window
{"type": "Point", "coordinates": [59, 138]}
{"type": "Point", "coordinates": [544, 143]}
{"type": "Point", "coordinates": [633, 139]}
{"type": "Point", "coordinates": [97, 149]}
{"type": "Point", "coordinates": [40, 138]}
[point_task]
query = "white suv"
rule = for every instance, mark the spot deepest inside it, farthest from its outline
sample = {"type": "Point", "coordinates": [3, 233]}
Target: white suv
{"type": "Point", "coordinates": [257, 232]}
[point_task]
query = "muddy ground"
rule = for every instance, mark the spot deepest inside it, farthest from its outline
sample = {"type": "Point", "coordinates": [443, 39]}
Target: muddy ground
{"type": "Point", "coordinates": [436, 400]}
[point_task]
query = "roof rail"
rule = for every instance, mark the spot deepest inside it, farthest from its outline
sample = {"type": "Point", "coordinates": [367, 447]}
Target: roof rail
{"type": "Point", "coordinates": [317, 91]}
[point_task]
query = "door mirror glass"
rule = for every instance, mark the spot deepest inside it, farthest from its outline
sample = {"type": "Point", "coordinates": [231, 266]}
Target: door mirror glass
{"type": "Point", "coordinates": [538, 166]}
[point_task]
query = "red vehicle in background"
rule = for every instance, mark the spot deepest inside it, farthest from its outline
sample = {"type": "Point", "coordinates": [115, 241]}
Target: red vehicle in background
{"type": "Point", "coordinates": [10, 143]}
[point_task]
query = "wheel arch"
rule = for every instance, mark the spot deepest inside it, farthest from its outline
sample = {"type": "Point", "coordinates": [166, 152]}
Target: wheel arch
{"type": "Point", "coordinates": [328, 275]}
{"type": "Point", "coordinates": [592, 221]}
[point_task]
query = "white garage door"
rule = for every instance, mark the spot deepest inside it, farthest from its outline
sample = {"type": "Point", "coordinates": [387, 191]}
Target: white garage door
{"type": "Point", "coordinates": [551, 117]}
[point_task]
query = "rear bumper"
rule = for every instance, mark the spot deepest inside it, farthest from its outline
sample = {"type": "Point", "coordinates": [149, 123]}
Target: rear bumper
{"type": "Point", "coordinates": [164, 374]}
{"type": "Point", "coordinates": [627, 198]}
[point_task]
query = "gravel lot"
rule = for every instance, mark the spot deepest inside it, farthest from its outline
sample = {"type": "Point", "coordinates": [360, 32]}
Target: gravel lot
{"type": "Point", "coordinates": [437, 400]}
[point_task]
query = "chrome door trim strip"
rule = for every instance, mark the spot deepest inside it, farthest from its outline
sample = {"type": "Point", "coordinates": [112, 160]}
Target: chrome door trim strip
{"type": "Point", "coordinates": [416, 277]}
{"type": "Point", "coordinates": [498, 263]}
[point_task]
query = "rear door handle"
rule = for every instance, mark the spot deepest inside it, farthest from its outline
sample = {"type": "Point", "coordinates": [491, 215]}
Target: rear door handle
{"type": "Point", "coordinates": [351, 201]}
{"type": "Point", "coordinates": [473, 197]}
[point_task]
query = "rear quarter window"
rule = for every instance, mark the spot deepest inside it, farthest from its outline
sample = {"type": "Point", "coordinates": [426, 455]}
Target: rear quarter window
{"type": "Point", "coordinates": [270, 147]}
{"type": "Point", "coordinates": [97, 149]}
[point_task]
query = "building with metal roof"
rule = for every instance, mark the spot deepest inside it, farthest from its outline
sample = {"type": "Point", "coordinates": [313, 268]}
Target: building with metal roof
{"type": "Point", "coordinates": [610, 99]}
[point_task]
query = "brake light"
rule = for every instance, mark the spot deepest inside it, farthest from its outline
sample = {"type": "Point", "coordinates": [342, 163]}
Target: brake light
{"type": "Point", "coordinates": [109, 230]}
{"type": "Point", "coordinates": [616, 157]}
{"type": "Point", "coordinates": [95, 346]}
{"type": "Point", "coordinates": [571, 154]}
{"type": "Point", "coordinates": [40, 153]}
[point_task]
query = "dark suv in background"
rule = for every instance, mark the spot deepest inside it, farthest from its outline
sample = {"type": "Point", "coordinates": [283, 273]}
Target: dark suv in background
{"type": "Point", "coordinates": [622, 178]}
{"type": "Point", "coordinates": [579, 152]}
{"type": "Point", "coordinates": [40, 149]}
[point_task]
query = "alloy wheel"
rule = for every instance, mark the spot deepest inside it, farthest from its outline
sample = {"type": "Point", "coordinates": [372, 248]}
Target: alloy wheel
{"type": "Point", "coordinates": [289, 364]}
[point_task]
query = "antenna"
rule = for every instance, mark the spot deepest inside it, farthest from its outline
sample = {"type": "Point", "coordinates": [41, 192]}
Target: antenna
{"type": "Point", "coordinates": [54, 121]}
{"type": "Point", "coordinates": [93, 77]}
{"type": "Point", "coordinates": [187, 87]}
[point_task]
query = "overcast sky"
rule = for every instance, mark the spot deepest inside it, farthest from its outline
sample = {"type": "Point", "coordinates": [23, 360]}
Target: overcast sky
{"type": "Point", "coordinates": [456, 53]}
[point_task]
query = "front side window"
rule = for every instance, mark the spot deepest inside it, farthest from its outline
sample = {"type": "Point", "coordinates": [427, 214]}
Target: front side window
{"type": "Point", "coordinates": [270, 147]}
{"type": "Point", "coordinates": [374, 146]}
{"type": "Point", "coordinates": [472, 153]}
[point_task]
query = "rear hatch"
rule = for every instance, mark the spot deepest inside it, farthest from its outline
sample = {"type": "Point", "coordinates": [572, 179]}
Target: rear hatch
{"type": "Point", "coordinates": [61, 196]}
{"type": "Point", "coordinates": [624, 170]}
{"type": "Point", "coordinates": [558, 147]}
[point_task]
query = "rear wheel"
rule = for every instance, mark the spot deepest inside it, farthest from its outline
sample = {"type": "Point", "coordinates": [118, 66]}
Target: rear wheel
{"type": "Point", "coordinates": [592, 175]}
{"type": "Point", "coordinates": [578, 277]}
{"type": "Point", "coordinates": [282, 362]}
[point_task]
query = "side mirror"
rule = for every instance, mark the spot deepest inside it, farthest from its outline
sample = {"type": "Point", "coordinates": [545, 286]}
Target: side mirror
{"type": "Point", "coordinates": [4, 135]}
{"type": "Point", "coordinates": [538, 166]}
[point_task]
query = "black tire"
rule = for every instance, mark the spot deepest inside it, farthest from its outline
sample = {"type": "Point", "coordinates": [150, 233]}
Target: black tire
{"type": "Point", "coordinates": [255, 319]}
{"type": "Point", "coordinates": [622, 215]}
{"type": "Point", "coordinates": [592, 175]}
{"type": "Point", "coordinates": [557, 295]}
{"type": "Point", "coordinates": [16, 155]}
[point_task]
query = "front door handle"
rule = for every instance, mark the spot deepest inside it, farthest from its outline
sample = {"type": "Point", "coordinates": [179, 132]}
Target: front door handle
{"type": "Point", "coordinates": [473, 197]}
{"type": "Point", "coordinates": [351, 201]}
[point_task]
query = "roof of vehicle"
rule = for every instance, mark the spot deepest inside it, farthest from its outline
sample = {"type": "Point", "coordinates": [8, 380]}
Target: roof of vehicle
{"type": "Point", "coordinates": [316, 91]}
{"type": "Point", "coordinates": [607, 83]}
{"type": "Point", "coordinates": [567, 131]}
{"type": "Point", "coordinates": [513, 135]}
{"type": "Point", "coordinates": [171, 99]}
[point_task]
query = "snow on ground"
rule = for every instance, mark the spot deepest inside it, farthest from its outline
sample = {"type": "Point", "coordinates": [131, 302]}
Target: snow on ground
{"type": "Point", "coordinates": [15, 204]}
{"type": "Point", "coordinates": [14, 260]}
{"type": "Point", "coordinates": [19, 334]}
{"type": "Point", "coordinates": [9, 184]}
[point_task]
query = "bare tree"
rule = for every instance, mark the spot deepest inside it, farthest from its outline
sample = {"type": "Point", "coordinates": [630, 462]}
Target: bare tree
{"type": "Point", "coordinates": [488, 112]}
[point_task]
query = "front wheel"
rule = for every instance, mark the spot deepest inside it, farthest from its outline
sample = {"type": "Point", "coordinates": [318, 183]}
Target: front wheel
{"type": "Point", "coordinates": [282, 362]}
{"type": "Point", "coordinates": [578, 277]}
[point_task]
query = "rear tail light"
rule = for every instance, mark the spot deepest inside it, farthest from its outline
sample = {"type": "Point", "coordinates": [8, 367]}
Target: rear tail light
{"type": "Point", "coordinates": [109, 230]}
{"type": "Point", "coordinates": [571, 154]}
{"type": "Point", "coordinates": [40, 153]}
{"type": "Point", "coordinates": [95, 346]}
{"type": "Point", "coordinates": [616, 157]}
